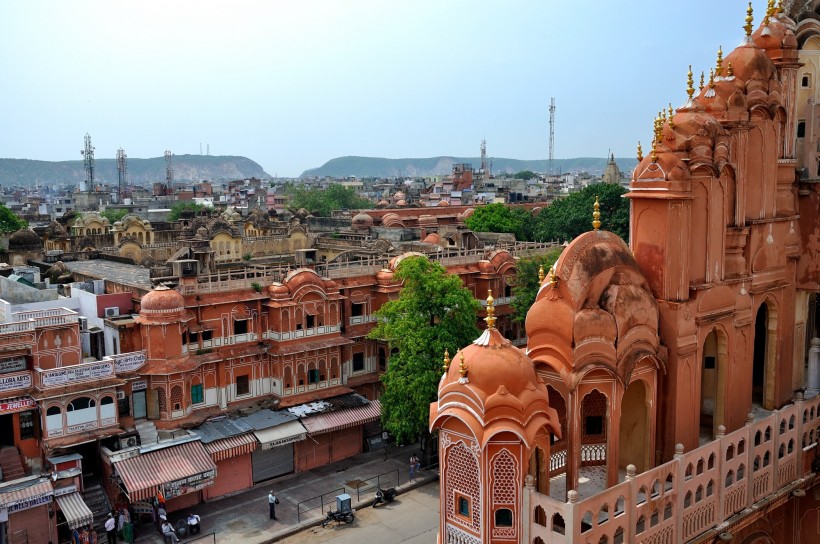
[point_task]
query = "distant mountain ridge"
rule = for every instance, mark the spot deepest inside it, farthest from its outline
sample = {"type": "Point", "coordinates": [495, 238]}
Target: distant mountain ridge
{"type": "Point", "coordinates": [140, 171]}
{"type": "Point", "coordinates": [365, 167]}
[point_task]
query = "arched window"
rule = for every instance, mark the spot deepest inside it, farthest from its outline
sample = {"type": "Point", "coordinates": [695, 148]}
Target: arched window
{"type": "Point", "coordinates": [108, 409]}
{"type": "Point", "coordinates": [503, 517]}
{"type": "Point", "coordinates": [81, 410]}
{"type": "Point", "coordinates": [801, 129]}
{"type": "Point", "coordinates": [54, 418]}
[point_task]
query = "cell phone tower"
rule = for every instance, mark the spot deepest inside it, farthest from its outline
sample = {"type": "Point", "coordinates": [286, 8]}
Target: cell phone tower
{"type": "Point", "coordinates": [88, 163]}
{"type": "Point", "coordinates": [169, 169]}
{"type": "Point", "coordinates": [122, 172]}
{"type": "Point", "coordinates": [552, 136]}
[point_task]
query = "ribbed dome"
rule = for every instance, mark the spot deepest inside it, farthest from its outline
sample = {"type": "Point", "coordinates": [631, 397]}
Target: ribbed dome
{"type": "Point", "coordinates": [162, 299]}
{"type": "Point", "coordinates": [277, 290]}
{"type": "Point", "coordinates": [749, 61]}
{"type": "Point", "coordinates": [361, 220]}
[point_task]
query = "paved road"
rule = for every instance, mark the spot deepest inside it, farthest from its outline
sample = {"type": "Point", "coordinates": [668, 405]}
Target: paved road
{"type": "Point", "coordinates": [412, 519]}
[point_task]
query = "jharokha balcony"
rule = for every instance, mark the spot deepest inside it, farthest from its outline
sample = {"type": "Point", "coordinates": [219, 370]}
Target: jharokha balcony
{"type": "Point", "coordinates": [696, 496]}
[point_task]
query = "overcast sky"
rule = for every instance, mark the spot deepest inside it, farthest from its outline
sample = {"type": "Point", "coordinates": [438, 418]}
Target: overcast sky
{"type": "Point", "coordinates": [292, 84]}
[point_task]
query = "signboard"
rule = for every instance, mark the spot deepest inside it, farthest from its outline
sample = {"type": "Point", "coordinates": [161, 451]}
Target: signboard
{"type": "Point", "coordinates": [139, 385]}
{"type": "Point", "coordinates": [186, 485]}
{"type": "Point", "coordinates": [15, 381]}
{"type": "Point", "coordinates": [282, 441]}
{"type": "Point", "coordinates": [19, 405]}
{"type": "Point", "coordinates": [60, 491]}
{"type": "Point", "coordinates": [81, 427]}
{"type": "Point", "coordinates": [12, 365]}
{"type": "Point", "coordinates": [62, 376]}
{"type": "Point", "coordinates": [128, 362]}
{"type": "Point", "coordinates": [30, 502]}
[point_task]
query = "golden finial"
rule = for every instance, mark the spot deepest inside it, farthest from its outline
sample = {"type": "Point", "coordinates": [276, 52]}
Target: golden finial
{"type": "Point", "coordinates": [719, 67]}
{"type": "Point", "coordinates": [701, 81]}
{"type": "Point", "coordinates": [729, 71]}
{"type": "Point", "coordinates": [553, 277]}
{"type": "Point", "coordinates": [749, 18]}
{"type": "Point", "coordinates": [490, 319]}
{"type": "Point", "coordinates": [540, 274]}
{"type": "Point", "coordinates": [770, 10]}
{"type": "Point", "coordinates": [640, 152]}
{"type": "Point", "coordinates": [662, 115]}
{"type": "Point", "coordinates": [690, 89]}
{"type": "Point", "coordinates": [596, 215]}
{"type": "Point", "coordinates": [462, 368]}
{"type": "Point", "coordinates": [779, 6]}
{"type": "Point", "coordinates": [711, 78]}
{"type": "Point", "coordinates": [446, 360]}
{"type": "Point", "coordinates": [671, 113]}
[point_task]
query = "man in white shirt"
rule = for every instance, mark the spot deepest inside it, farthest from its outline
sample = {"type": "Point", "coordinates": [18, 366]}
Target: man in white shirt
{"type": "Point", "coordinates": [169, 533]}
{"type": "Point", "coordinates": [272, 502]}
{"type": "Point", "coordinates": [193, 524]}
{"type": "Point", "coordinates": [111, 529]}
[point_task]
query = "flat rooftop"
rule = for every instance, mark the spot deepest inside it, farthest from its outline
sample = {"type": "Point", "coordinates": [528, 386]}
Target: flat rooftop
{"type": "Point", "coordinates": [126, 274]}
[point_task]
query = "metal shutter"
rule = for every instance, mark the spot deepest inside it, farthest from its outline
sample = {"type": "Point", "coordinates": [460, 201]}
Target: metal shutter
{"type": "Point", "coordinates": [271, 463]}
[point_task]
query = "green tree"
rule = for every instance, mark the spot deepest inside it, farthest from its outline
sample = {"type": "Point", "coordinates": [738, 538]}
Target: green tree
{"type": "Point", "coordinates": [526, 281]}
{"type": "Point", "coordinates": [114, 214]}
{"type": "Point", "coordinates": [9, 221]}
{"type": "Point", "coordinates": [501, 218]}
{"type": "Point", "coordinates": [179, 207]}
{"type": "Point", "coordinates": [434, 311]}
{"type": "Point", "coordinates": [571, 216]}
{"type": "Point", "coordinates": [525, 174]}
{"type": "Point", "coordinates": [324, 201]}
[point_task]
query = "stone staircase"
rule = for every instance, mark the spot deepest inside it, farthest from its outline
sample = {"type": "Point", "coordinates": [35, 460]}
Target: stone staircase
{"type": "Point", "coordinates": [97, 501]}
{"type": "Point", "coordinates": [10, 464]}
{"type": "Point", "coordinates": [148, 432]}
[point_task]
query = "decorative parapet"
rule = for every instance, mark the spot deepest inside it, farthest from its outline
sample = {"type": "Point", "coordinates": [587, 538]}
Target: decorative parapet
{"type": "Point", "coordinates": [696, 492]}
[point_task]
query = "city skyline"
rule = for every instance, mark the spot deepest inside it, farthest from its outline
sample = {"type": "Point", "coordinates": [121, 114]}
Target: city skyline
{"type": "Point", "coordinates": [292, 85]}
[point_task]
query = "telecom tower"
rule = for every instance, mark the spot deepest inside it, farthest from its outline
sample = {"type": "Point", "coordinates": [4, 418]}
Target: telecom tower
{"type": "Point", "coordinates": [484, 166]}
{"type": "Point", "coordinates": [552, 135]}
{"type": "Point", "coordinates": [122, 169]}
{"type": "Point", "coordinates": [88, 163]}
{"type": "Point", "coordinates": [169, 169]}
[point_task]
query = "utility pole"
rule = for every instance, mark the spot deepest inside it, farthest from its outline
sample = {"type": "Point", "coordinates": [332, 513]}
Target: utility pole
{"type": "Point", "coordinates": [88, 163]}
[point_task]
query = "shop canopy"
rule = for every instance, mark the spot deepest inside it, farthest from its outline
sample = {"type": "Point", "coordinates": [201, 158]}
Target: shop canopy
{"type": "Point", "coordinates": [75, 510]}
{"type": "Point", "coordinates": [25, 495]}
{"type": "Point", "coordinates": [343, 419]}
{"type": "Point", "coordinates": [285, 433]}
{"type": "Point", "coordinates": [174, 470]}
{"type": "Point", "coordinates": [232, 446]}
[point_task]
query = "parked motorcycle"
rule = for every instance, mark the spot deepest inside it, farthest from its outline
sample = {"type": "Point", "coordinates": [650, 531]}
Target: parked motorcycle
{"type": "Point", "coordinates": [339, 517]}
{"type": "Point", "coordinates": [384, 496]}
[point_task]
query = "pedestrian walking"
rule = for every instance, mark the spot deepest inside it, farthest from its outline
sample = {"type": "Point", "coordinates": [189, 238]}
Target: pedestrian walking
{"type": "Point", "coordinates": [272, 502]}
{"type": "Point", "coordinates": [414, 465]}
{"type": "Point", "coordinates": [111, 529]}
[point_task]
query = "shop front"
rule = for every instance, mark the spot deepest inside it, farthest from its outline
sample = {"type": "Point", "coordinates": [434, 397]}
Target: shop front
{"type": "Point", "coordinates": [334, 435]}
{"type": "Point", "coordinates": [27, 511]}
{"type": "Point", "coordinates": [275, 455]}
{"type": "Point", "coordinates": [176, 472]}
{"type": "Point", "coordinates": [230, 445]}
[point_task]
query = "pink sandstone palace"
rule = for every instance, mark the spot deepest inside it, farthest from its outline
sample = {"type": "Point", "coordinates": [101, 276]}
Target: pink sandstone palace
{"type": "Point", "coordinates": [661, 396]}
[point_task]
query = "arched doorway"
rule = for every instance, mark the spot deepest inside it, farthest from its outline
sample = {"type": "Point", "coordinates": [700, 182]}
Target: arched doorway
{"type": "Point", "coordinates": [633, 427]}
{"type": "Point", "coordinates": [594, 429]}
{"type": "Point", "coordinates": [540, 470]}
{"type": "Point", "coordinates": [765, 345]}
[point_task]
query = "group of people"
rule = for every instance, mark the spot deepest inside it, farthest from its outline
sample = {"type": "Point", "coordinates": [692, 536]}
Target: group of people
{"type": "Point", "coordinates": [115, 525]}
{"type": "Point", "coordinates": [170, 534]}
{"type": "Point", "coordinates": [415, 465]}
{"type": "Point", "coordinates": [84, 535]}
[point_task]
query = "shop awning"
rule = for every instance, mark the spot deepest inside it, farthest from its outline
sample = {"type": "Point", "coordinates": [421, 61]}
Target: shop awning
{"type": "Point", "coordinates": [75, 510]}
{"type": "Point", "coordinates": [232, 446]}
{"type": "Point", "coordinates": [343, 419]}
{"type": "Point", "coordinates": [292, 431]}
{"type": "Point", "coordinates": [27, 495]}
{"type": "Point", "coordinates": [174, 470]}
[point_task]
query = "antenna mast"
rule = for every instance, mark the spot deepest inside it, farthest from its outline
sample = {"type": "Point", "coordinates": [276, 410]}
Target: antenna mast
{"type": "Point", "coordinates": [552, 135]}
{"type": "Point", "coordinates": [88, 163]}
{"type": "Point", "coordinates": [484, 166]}
{"type": "Point", "coordinates": [122, 168]}
{"type": "Point", "coordinates": [169, 169]}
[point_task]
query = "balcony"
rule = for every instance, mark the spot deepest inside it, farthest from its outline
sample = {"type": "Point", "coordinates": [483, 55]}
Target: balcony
{"type": "Point", "coordinates": [696, 492]}
{"type": "Point", "coordinates": [304, 333]}
{"type": "Point", "coordinates": [359, 319]}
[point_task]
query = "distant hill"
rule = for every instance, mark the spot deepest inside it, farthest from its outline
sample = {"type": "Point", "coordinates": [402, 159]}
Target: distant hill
{"type": "Point", "coordinates": [140, 171]}
{"type": "Point", "coordinates": [365, 167]}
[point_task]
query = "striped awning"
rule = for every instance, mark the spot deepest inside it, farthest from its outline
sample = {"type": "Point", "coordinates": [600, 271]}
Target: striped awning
{"type": "Point", "coordinates": [75, 510]}
{"type": "Point", "coordinates": [28, 496]}
{"type": "Point", "coordinates": [175, 470]}
{"type": "Point", "coordinates": [232, 446]}
{"type": "Point", "coordinates": [281, 434]}
{"type": "Point", "coordinates": [343, 419]}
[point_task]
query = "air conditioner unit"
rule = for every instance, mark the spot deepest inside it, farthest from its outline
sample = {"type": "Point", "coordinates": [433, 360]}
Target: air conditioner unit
{"type": "Point", "coordinates": [83, 321]}
{"type": "Point", "coordinates": [112, 312]}
{"type": "Point", "coordinates": [129, 441]}
{"type": "Point", "coordinates": [120, 395]}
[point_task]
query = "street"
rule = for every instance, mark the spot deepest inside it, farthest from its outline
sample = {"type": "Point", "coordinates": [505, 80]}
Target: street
{"type": "Point", "coordinates": [412, 518]}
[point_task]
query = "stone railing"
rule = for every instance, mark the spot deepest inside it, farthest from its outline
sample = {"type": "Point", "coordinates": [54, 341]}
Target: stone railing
{"type": "Point", "coordinates": [304, 333]}
{"type": "Point", "coordinates": [696, 492]}
{"type": "Point", "coordinates": [359, 319]}
{"type": "Point", "coordinates": [30, 324]}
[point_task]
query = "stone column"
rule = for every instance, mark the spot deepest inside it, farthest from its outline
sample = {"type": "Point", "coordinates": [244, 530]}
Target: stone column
{"type": "Point", "coordinates": [813, 381]}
